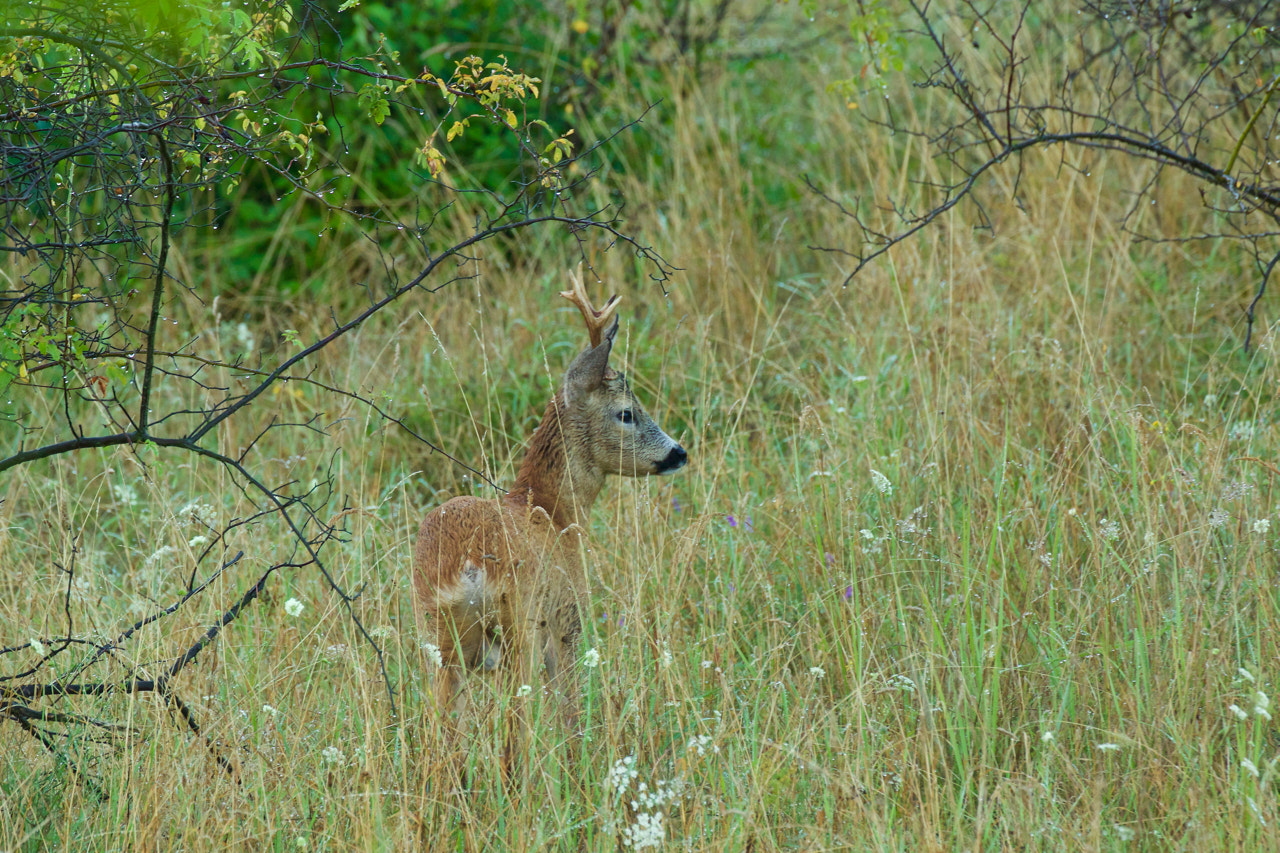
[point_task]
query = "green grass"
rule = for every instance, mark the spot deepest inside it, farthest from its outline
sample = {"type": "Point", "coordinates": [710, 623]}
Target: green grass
{"type": "Point", "coordinates": [1030, 638]}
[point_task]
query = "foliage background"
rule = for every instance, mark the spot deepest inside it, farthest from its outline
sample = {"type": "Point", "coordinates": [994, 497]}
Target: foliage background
{"type": "Point", "coordinates": [975, 552]}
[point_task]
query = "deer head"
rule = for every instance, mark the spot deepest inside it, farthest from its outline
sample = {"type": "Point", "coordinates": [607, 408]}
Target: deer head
{"type": "Point", "coordinates": [609, 429]}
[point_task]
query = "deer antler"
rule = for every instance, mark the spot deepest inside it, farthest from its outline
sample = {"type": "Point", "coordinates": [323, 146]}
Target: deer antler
{"type": "Point", "coordinates": [597, 320]}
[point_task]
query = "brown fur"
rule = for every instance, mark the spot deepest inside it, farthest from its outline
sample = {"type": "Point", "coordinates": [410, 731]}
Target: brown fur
{"type": "Point", "coordinates": [499, 583]}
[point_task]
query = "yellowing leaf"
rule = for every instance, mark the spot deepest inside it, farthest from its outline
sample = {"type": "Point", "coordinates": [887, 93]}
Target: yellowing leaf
{"type": "Point", "coordinates": [511, 119]}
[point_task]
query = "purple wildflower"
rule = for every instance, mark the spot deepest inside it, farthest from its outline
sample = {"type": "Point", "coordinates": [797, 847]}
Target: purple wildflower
{"type": "Point", "coordinates": [848, 592]}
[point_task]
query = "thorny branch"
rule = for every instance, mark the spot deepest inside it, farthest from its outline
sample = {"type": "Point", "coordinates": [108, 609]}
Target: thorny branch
{"type": "Point", "coordinates": [98, 183]}
{"type": "Point", "coordinates": [1173, 86]}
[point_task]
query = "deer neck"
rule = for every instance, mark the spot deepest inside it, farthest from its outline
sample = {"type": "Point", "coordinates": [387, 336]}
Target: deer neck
{"type": "Point", "coordinates": [554, 476]}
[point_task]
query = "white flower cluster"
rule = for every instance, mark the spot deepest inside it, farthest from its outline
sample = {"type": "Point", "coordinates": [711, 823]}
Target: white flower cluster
{"type": "Point", "coordinates": [871, 543]}
{"type": "Point", "coordinates": [621, 775]}
{"type": "Point", "coordinates": [881, 482]}
{"type": "Point", "coordinates": [432, 651]}
{"type": "Point", "coordinates": [649, 828]}
{"type": "Point", "coordinates": [294, 607]}
{"type": "Point", "coordinates": [159, 554]}
{"type": "Point", "coordinates": [591, 659]}
{"type": "Point", "coordinates": [664, 792]}
{"type": "Point", "coordinates": [701, 743]}
{"type": "Point", "coordinates": [332, 755]}
{"type": "Point", "coordinates": [195, 512]}
{"type": "Point", "coordinates": [1242, 431]}
{"type": "Point", "coordinates": [647, 831]}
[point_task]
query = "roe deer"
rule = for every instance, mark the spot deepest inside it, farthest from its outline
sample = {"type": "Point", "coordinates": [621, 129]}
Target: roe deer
{"type": "Point", "coordinates": [499, 582]}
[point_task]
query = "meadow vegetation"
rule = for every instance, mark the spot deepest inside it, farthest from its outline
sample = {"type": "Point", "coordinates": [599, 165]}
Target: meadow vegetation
{"type": "Point", "coordinates": [977, 552]}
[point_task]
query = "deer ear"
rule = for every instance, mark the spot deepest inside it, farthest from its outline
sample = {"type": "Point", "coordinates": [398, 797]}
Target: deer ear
{"type": "Point", "coordinates": [590, 368]}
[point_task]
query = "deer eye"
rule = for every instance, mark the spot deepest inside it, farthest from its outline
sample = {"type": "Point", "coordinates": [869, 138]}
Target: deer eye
{"type": "Point", "coordinates": [626, 416]}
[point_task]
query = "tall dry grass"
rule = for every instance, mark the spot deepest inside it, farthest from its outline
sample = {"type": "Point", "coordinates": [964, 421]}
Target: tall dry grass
{"type": "Point", "coordinates": [977, 553]}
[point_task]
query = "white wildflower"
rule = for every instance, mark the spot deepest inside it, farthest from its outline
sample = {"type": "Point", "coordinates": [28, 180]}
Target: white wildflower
{"type": "Point", "coordinates": [817, 672]}
{"type": "Point", "coordinates": [125, 493]}
{"type": "Point", "coordinates": [881, 482]}
{"type": "Point", "coordinates": [1238, 712]}
{"type": "Point", "coordinates": [81, 587]}
{"type": "Point", "coordinates": [666, 654]}
{"type": "Point", "coordinates": [866, 534]}
{"type": "Point", "coordinates": [1261, 526]}
{"type": "Point", "coordinates": [523, 691]}
{"type": "Point", "coordinates": [332, 755]}
{"type": "Point", "coordinates": [197, 541]}
{"type": "Point", "coordinates": [294, 607]}
{"type": "Point", "coordinates": [37, 647]}
{"type": "Point", "coordinates": [1124, 833]}
{"type": "Point", "coordinates": [901, 682]}
{"type": "Point", "coordinates": [621, 774]}
{"type": "Point", "coordinates": [1218, 517]}
{"type": "Point", "coordinates": [1109, 747]}
{"type": "Point", "coordinates": [1245, 674]}
{"type": "Point", "coordinates": [1235, 490]}
{"type": "Point", "coordinates": [196, 512]}
{"type": "Point", "coordinates": [159, 554]}
{"type": "Point", "coordinates": [591, 659]}
{"type": "Point", "coordinates": [706, 664]}
{"type": "Point", "coordinates": [245, 338]}
{"type": "Point", "coordinates": [267, 709]}
{"type": "Point", "coordinates": [1249, 767]}
{"type": "Point", "coordinates": [647, 831]}
{"type": "Point", "coordinates": [1242, 431]}
{"type": "Point", "coordinates": [1262, 705]}
{"type": "Point", "coordinates": [1109, 529]}
{"type": "Point", "coordinates": [1047, 736]}
{"type": "Point", "coordinates": [700, 745]}
{"type": "Point", "coordinates": [432, 651]}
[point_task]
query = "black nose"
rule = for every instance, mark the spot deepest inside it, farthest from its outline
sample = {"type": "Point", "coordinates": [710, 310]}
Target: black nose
{"type": "Point", "coordinates": [675, 460]}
